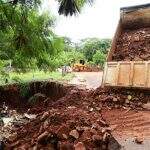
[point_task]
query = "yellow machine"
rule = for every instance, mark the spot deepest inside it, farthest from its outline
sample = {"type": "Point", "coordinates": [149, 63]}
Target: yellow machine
{"type": "Point", "coordinates": [79, 66]}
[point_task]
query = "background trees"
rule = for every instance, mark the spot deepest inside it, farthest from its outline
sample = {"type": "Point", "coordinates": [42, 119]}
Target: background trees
{"type": "Point", "coordinates": [95, 49]}
{"type": "Point", "coordinates": [29, 43]}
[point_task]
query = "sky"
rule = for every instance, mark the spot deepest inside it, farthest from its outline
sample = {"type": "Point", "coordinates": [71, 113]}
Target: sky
{"type": "Point", "coordinates": [99, 20]}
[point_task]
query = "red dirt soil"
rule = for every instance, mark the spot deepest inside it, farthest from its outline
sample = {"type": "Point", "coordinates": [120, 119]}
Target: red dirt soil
{"type": "Point", "coordinates": [65, 123]}
{"type": "Point", "coordinates": [76, 118]}
{"type": "Point", "coordinates": [128, 123]}
{"type": "Point", "coordinates": [133, 45]}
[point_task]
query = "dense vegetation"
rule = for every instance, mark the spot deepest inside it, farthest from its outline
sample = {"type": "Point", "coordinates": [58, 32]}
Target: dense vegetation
{"type": "Point", "coordinates": [28, 42]}
{"type": "Point", "coordinates": [95, 50]}
{"type": "Point", "coordinates": [92, 50]}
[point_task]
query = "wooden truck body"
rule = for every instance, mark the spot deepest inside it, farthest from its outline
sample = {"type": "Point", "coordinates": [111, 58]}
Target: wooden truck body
{"type": "Point", "coordinates": [128, 73]}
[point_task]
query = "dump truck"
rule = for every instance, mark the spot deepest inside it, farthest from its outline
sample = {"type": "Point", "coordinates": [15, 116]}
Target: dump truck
{"type": "Point", "coordinates": [128, 61]}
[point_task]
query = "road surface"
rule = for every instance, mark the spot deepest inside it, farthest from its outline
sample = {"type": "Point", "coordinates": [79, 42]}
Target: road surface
{"type": "Point", "coordinates": [129, 124]}
{"type": "Point", "coordinates": [87, 79]}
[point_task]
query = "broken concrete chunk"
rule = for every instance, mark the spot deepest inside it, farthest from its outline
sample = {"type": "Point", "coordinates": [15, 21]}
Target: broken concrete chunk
{"type": "Point", "coordinates": [115, 99]}
{"type": "Point", "coordinates": [91, 109]}
{"type": "Point", "coordinates": [30, 116]}
{"type": "Point", "coordinates": [74, 133]}
{"type": "Point", "coordinates": [129, 97]}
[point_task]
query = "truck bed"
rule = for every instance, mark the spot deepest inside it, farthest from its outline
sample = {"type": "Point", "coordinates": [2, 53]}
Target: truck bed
{"type": "Point", "coordinates": [127, 74]}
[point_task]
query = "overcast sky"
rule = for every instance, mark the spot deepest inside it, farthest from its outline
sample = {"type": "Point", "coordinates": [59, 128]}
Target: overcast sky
{"type": "Point", "coordinates": [99, 20]}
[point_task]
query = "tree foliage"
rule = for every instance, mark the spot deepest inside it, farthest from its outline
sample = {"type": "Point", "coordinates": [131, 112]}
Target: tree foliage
{"type": "Point", "coordinates": [27, 37]}
{"type": "Point", "coordinates": [99, 58]}
{"type": "Point", "coordinates": [70, 7]}
{"type": "Point", "coordinates": [66, 7]}
{"type": "Point", "coordinates": [90, 46]}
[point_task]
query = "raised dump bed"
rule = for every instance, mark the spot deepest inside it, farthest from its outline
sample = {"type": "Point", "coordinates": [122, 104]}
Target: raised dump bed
{"type": "Point", "coordinates": [128, 61]}
{"type": "Point", "coordinates": [127, 74]}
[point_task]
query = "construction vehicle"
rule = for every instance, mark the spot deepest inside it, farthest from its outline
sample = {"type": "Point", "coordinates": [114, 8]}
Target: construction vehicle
{"type": "Point", "coordinates": [129, 73]}
{"type": "Point", "coordinates": [79, 66]}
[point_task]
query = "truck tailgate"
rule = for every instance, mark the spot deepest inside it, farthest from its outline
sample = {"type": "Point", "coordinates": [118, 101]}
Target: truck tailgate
{"type": "Point", "coordinates": [127, 74]}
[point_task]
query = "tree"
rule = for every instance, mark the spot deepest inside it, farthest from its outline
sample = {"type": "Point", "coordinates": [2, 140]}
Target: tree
{"type": "Point", "coordinates": [68, 45]}
{"type": "Point", "coordinates": [27, 37]}
{"type": "Point", "coordinates": [90, 46]}
{"type": "Point", "coordinates": [66, 7]}
{"type": "Point", "coordinates": [99, 58]}
{"type": "Point", "coordinates": [66, 58]}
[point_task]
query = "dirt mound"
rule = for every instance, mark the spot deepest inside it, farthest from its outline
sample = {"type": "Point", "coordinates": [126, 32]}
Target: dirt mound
{"type": "Point", "coordinates": [73, 120]}
{"type": "Point", "coordinates": [68, 123]}
{"type": "Point", "coordinates": [120, 97]}
{"type": "Point", "coordinates": [129, 123]}
{"type": "Point", "coordinates": [133, 45]}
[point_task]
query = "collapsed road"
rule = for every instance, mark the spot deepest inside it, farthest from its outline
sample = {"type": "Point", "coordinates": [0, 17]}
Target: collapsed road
{"type": "Point", "coordinates": [66, 117]}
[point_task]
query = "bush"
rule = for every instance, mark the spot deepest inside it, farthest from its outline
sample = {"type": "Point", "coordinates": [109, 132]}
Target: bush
{"type": "Point", "coordinates": [99, 58]}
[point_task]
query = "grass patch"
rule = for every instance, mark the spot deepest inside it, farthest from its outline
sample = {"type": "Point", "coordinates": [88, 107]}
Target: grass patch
{"type": "Point", "coordinates": [37, 75]}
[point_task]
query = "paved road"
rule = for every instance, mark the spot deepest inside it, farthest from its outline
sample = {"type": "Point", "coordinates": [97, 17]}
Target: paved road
{"type": "Point", "coordinates": [87, 79]}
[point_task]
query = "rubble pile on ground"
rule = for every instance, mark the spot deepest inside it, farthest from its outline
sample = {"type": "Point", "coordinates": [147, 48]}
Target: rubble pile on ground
{"type": "Point", "coordinates": [121, 98]}
{"type": "Point", "coordinates": [68, 124]}
{"type": "Point", "coordinates": [74, 121]}
{"type": "Point", "coordinates": [133, 45]}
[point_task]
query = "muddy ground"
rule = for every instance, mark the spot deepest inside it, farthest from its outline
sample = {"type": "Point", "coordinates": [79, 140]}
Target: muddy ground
{"type": "Point", "coordinates": [133, 45]}
{"type": "Point", "coordinates": [72, 118]}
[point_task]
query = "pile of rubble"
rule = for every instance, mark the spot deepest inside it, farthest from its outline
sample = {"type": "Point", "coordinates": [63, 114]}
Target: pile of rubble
{"type": "Point", "coordinates": [69, 123]}
{"type": "Point", "coordinates": [133, 45]}
{"type": "Point", "coordinates": [121, 98]}
{"type": "Point", "coordinates": [10, 119]}
{"type": "Point", "coordinates": [74, 121]}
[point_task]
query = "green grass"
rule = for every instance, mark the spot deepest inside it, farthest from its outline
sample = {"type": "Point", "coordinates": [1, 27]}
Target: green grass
{"type": "Point", "coordinates": [38, 75]}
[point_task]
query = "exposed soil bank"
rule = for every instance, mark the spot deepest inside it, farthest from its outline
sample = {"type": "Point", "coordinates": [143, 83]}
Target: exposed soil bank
{"type": "Point", "coordinates": [17, 95]}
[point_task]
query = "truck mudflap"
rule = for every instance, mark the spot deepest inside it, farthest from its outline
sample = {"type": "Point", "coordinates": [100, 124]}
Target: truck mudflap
{"type": "Point", "coordinates": [127, 74]}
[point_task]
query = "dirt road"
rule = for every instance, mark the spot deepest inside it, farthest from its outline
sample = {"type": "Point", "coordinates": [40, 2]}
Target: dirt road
{"type": "Point", "coordinates": [87, 79]}
{"type": "Point", "coordinates": [129, 125]}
